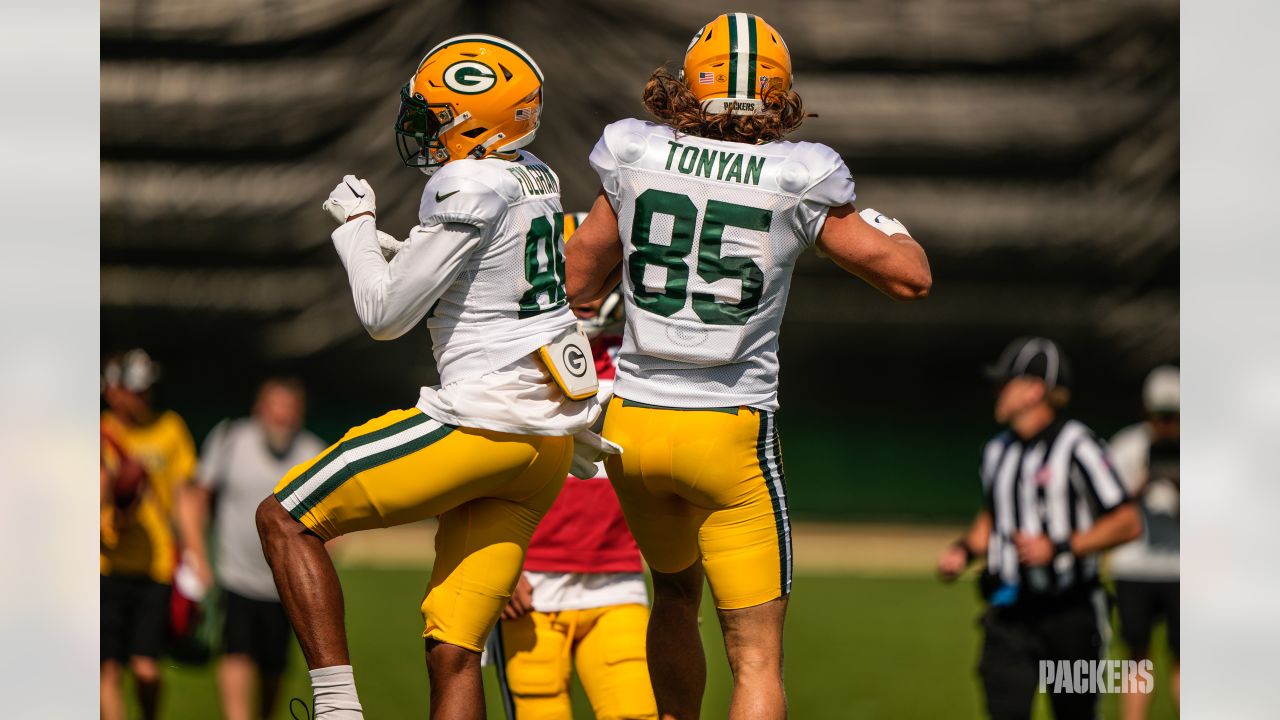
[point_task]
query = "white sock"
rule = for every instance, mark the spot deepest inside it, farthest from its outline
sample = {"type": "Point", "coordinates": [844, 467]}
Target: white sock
{"type": "Point", "coordinates": [335, 694]}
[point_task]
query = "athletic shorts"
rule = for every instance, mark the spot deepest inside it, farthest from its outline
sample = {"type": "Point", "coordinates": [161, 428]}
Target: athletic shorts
{"type": "Point", "coordinates": [134, 617]}
{"type": "Point", "coordinates": [536, 654]}
{"type": "Point", "coordinates": [705, 485]}
{"type": "Point", "coordinates": [257, 628]}
{"type": "Point", "coordinates": [488, 489]}
{"type": "Point", "coordinates": [1141, 605]}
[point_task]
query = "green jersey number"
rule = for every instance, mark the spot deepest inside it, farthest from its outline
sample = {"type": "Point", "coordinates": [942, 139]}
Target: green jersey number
{"type": "Point", "coordinates": [543, 266]}
{"type": "Point", "coordinates": [712, 266]}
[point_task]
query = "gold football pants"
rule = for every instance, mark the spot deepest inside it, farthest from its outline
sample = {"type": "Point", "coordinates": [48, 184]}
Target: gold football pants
{"type": "Point", "coordinates": [606, 646]}
{"type": "Point", "coordinates": [705, 485]}
{"type": "Point", "coordinates": [489, 490]}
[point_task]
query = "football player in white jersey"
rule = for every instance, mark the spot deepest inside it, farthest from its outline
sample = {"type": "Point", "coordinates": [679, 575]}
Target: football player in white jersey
{"type": "Point", "coordinates": [487, 450]}
{"type": "Point", "coordinates": [702, 217]}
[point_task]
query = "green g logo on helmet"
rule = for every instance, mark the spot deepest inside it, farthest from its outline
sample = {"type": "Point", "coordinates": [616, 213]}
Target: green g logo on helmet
{"type": "Point", "coordinates": [469, 77]}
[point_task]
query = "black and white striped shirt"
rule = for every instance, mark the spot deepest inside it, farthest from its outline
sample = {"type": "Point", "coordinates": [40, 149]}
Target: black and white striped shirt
{"type": "Point", "coordinates": [1054, 484]}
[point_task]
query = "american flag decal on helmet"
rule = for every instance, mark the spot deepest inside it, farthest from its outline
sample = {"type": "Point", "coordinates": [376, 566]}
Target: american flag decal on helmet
{"type": "Point", "coordinates": [524, 113]}
{"type": "Point", "coordinates": [706, 78]}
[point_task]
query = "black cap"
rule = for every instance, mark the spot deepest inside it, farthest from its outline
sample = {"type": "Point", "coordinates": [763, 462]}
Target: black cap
{"type": "Point", "coordinates": [1032, 357]}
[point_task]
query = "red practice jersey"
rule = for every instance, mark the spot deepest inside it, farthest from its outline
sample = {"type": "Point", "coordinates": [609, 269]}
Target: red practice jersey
{"type": "Point", "coordinates": [584, 531]}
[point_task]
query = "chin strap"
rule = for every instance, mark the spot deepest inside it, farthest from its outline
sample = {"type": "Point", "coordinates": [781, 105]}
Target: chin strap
{"type": "Point", "coordinates": [482, 149]}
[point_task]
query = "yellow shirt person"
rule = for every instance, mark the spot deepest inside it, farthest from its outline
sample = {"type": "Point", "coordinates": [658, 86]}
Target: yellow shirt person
{"type": "Point", "coordinates": [140, 542]}
{"type": "Point", "coordinates": [146, 457]}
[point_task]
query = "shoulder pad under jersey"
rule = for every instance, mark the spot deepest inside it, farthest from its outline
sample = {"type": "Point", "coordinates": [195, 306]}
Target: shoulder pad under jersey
{"type": "Point", "coordinates": [474, 192]}
{"type": "Point", "coordinates": [622, 142]}
{"type": "Point", "coordinates": [830, 182]}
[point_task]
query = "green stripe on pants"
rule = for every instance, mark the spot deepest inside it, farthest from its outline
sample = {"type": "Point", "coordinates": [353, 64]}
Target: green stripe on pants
{"type": "Point", "coordinates": [347, 472]}
{"type": "Point", "coordinates": [345, 445]}
{"type": "Point", "coordinates": [762, 456]}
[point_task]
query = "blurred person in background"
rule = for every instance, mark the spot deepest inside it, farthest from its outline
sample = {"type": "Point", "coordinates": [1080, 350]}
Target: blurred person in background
{"type": "Point", "coordinates": [581, 601]}
{"type": "Point", "coordinates": [486, 451]}
{"type": "Point", "coordinates": [1053, 502]}
{"type": "Point", "coordinates": [241, 461]}
{"type": "Point", "coordinates": [703, 217]}
{"type": "Point", "coordinates": [1146, 571]}
{"type": "Point", "coordinates": [147, 457]}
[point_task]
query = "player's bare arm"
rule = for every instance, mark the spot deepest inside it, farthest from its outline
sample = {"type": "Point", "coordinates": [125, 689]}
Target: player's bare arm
{"type": "Point", "coordinates": [894, 264]}
{"type": "Point", "coordinates": [1114, 528]}
{"type": "Point", "coordinates": [593, 260]}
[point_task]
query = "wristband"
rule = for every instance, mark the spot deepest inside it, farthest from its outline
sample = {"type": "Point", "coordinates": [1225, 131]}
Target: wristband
{"type": "Point", "coordinates": [1063, 547]}
{"type": "Point", "coordinates": [964, 545]}
{"type": "Point", "coordinates": [883, 223]}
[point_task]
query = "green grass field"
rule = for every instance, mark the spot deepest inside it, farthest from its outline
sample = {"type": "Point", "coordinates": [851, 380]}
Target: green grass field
{"type": "Point", "coordinates": [857, 647]}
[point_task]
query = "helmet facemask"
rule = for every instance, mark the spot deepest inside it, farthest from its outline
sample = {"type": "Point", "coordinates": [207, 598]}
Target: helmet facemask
{"type": "Point", "coordinates": [418, 129]}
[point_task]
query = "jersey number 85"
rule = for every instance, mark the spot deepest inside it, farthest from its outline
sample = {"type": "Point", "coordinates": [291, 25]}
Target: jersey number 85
{"type": "Point", "coordinates": [711, 265]}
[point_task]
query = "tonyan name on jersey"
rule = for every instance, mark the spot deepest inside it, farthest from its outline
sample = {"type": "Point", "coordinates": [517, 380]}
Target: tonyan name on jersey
{"type": "Point", "coordinates": [711, 231]}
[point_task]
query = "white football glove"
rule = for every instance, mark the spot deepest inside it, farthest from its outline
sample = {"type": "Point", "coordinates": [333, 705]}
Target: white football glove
{"type": "Point", "coordinates": [883, 223]}
{"type": "Point", "coordinates": [589, 449]}
{"type": "Point", "coordinates": [389, 245]}
{"type": "Point", "coordinates": [350, 197]}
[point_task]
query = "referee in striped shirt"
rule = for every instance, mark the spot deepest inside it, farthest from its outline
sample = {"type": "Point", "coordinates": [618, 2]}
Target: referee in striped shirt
{"type": "Point", "coordinates": [1053, 502]}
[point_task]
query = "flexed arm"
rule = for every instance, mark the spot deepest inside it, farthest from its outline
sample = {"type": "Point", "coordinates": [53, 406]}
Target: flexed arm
{"type": "Point", "coordinates": [885, 257]}
{"type": "Point", "coordinates": [392, 297]}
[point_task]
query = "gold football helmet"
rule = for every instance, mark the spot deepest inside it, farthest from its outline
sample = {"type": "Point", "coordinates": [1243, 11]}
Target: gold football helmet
{"type": "Point", "coordinates": [733, 61]}
{"type": "Point", "coordinates": [471, 96]}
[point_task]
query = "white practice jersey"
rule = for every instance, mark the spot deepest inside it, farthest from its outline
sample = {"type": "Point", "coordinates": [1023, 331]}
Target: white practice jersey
{"type": "Point", "coordinates": [711, 231]}
{"type": "Point", "coordinates": [508, 298]}
{"type": "Point", "coordinates": [485, 266]}
{"type": "Point", "coordinates": [1154, 556]}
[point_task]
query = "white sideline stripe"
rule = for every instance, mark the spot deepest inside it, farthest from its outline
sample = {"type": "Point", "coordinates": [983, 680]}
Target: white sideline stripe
{"type": "Point", "coordinates": [876, 550]}
{"type": "Point", "coordinates": [350, 456]}
{"type": "Point", "coordinates": [741, 53]}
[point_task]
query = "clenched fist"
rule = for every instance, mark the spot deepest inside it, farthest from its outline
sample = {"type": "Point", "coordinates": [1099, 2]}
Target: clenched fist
{"type": "Point", "coordinates": [349, 198]}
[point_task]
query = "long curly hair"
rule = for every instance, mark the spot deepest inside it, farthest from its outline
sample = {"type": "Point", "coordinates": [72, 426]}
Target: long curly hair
{"type": "Point", "coordinates": [670, 101]}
